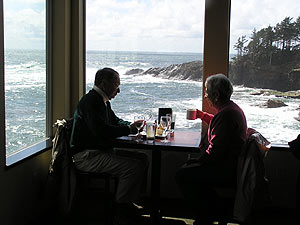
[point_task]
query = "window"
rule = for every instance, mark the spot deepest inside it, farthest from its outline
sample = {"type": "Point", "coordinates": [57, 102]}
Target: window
{"type": "Point", "coordinates": [265, 66]}
{"type": "Point", "coordinates": [156, 46]}
{"type": "Point", "coordinates": [25, 73]}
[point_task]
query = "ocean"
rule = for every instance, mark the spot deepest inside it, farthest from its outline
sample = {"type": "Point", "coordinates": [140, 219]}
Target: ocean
{"type": "Point", "coordinates": [25, 95]}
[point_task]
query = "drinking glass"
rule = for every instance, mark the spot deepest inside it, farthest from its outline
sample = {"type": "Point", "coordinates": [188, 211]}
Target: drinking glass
{"type": "Point", "coordinates": [166, 123]}
{"type": "Point", "coordinates": [172, 126]}
{"type": "Point", "coordinates": [150, 130]}
{"type": "Point", "coordinates": [169, 120]}
{"type": "Point", "coordinates": [139, 122]}
{"type": "Point", "coordinates": [149, 117]}
{"type": "Point", "coordinates": [173, 122]}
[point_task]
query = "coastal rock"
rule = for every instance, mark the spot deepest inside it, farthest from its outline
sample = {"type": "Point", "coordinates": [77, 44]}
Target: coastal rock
{"type": "Point", "coordinates": [273, 103]}
{"type": "Point", "coordinates": [294, 77]}
{"type": "Point", "coordinates": [185, 71]}
{"type": "Point", "coordinates": [134, 71]}
{"type": "Point", "coordinates": [287, 94]}
{"type": "Point", "coordinates": [275, 77]}
{"type": "Point", "coordinates": [257, 93]}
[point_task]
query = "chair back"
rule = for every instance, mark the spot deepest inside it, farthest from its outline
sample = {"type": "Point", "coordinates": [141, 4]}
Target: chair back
{"type": "Point", "coordinates": [61, 143]}
{"type": "Point", "coordinates": [252, 184]}
{"type": "Point", "coordinates": [62, 170]}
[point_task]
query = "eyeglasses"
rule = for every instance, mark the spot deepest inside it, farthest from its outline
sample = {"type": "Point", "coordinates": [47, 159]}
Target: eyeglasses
{"type": "Point", "coordinates": [205, 93]}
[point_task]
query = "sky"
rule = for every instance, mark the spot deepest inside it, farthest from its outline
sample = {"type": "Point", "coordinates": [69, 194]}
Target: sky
{"type": "Point", "coordinates": [144, 25]}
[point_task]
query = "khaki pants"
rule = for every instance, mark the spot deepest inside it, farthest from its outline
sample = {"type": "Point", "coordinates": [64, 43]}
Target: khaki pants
{"type": "Point", "coordinates": [130, 167]}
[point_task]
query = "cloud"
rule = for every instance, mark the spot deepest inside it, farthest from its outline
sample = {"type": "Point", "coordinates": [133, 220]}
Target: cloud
{"type": "Point", "coordinates": [144, 25]}
{"type": "Point", "coordinates": [161, 21]}
{"type": "Point", "coordinates": [26, 1]}
{"type": "Point", "coordinates": [135, 23]}
{"type": "Point", "coordinates": [25, 28]}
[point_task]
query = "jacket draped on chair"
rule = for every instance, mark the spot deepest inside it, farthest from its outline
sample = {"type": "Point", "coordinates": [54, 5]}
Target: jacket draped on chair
{"type": "Point", "coordinates": [252, 184]}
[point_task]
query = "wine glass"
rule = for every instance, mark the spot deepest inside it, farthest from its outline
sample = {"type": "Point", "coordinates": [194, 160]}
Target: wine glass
{"type": "Point", "coordinates": [168, 120]}
{"type": "Point", "coordinates": [149, 116]}
{"type": "Point", "coordinates": [169, 117]}
{"type": "Point", "coordinates": [164, 121]}
{"type": "Point", "coordinates": [139, 122]}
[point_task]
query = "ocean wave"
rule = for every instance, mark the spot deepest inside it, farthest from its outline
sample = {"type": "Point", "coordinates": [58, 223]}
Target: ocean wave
{"type": "Point", "coordinates": [140, 94]}
{"type": "Point", "coordinates": [133, 91]}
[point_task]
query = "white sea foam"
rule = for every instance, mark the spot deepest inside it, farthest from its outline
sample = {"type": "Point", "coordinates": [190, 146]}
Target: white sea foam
{"type": "Point", "coordinates": [140, 94]}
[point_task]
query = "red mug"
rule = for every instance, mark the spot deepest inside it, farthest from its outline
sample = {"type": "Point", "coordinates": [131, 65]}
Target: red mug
{"type": "Point", "coordinates": [191, 114]}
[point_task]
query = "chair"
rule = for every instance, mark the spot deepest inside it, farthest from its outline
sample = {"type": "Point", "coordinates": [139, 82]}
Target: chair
{"type": "Point", "coordinates": [79, 180]}
{"type": "Point", "coordinates": [88, 182]}
{"type": "Point", "coordinates": [252, 185]}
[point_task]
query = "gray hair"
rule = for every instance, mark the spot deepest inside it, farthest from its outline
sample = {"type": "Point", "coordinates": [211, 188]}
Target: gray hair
{"type": "Point", "coordinates": [221, 84]}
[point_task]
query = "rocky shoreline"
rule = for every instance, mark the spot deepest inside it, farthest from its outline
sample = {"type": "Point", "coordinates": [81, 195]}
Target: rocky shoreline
{"type": "Point", "coordinates": [281, 78]}
{"type": "Point", "coordinates": [287, 94]}
{"type": "Point", "coordinates": [276, 84]}
{"type": "Point", "coordinates": [193, 71]}
{"type": "Point", "coordinates": [185, 71]}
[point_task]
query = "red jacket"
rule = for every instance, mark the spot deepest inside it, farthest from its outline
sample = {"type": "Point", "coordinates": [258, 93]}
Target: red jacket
{"type": "Point", "coordinates": [226, 134]}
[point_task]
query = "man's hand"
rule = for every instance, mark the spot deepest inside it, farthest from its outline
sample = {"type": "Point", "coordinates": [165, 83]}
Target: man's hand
{"type": "Point", "coordinates": [133, 129]}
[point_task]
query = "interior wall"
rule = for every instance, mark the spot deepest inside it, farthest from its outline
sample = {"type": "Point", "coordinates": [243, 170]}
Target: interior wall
{"type": "Point", "coordinates": [282, 171]}
{"type": "Point", "coordinates": [22, 188]}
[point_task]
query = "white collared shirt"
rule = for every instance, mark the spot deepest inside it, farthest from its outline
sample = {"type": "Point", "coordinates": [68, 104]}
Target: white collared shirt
{"type": "Point", "coordinates": [100, 92]}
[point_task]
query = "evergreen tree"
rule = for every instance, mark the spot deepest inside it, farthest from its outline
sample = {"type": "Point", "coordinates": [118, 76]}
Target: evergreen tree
{"type": "Point", "coordinates": [271, 44]}
{"type": "Point", "coordinates": [239, 46]}
{"type": "Point", "coordinates": [297, 35]}
{"type": "Point", "coordinates": [253, 45]}
{"type": "Point", "coordinates": [286, 32]}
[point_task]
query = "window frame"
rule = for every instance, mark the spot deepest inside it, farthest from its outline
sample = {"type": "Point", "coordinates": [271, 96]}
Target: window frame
{"type": "Point", "coordinates": [72, 38]}
{"type": "Point", "coordinates": [2, 95]}
{"type": "Point", "coordinates": [46, 143]}
{"type": "Point", "coordinates": [65, 71]}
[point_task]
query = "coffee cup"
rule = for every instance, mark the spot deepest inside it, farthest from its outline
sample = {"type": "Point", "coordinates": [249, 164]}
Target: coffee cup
{"type": "Point", "coordinates": [191, 114]}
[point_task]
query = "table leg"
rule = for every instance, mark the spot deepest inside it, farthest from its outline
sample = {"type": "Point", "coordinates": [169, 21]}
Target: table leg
{"type": "Point", "coordinates": [155, 187]}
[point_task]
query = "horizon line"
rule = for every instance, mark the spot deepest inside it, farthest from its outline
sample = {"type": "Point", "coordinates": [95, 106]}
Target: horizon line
{"type": "Point", "coordinates": [96, 50]}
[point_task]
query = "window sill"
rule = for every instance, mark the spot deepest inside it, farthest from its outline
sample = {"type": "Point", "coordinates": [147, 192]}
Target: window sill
{"type": "Point", "coordinates": [279, 147]}
{"type": "Point", "coordinates": [47, 144]}
{"type": "Point", "coordinates": [28, 152]}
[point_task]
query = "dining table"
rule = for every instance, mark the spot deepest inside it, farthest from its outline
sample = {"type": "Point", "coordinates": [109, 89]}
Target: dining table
{"type": "Point", "coordinates": [179, 141]}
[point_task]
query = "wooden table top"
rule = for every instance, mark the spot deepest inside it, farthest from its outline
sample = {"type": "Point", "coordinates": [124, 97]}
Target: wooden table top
{"type": "Point", "coordinates": [185, 141]}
